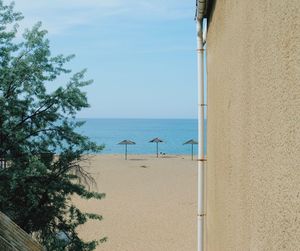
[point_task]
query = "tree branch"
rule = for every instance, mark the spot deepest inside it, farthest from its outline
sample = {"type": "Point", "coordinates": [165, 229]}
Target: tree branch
{"type": "Point", "coordinates": [36, 113]}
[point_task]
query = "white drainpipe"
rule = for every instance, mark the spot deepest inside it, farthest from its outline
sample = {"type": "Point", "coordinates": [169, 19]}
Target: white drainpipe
{"type": "Point", "coordinates": [201, 158]}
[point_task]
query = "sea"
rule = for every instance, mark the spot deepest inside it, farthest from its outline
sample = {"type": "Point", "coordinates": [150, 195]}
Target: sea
{"type": "Point", "coordinates": [173, 132]}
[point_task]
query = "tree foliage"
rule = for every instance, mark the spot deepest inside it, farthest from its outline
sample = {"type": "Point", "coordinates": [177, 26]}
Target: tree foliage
{"type": "Point", "coordinates": [39, 142]}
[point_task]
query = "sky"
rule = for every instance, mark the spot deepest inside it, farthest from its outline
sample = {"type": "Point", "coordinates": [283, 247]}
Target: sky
{"type": "Point", "coordinates": [141, 54]}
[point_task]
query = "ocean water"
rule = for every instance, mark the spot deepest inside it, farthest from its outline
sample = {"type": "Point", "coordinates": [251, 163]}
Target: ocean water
{"type": "Point", "coordinates": [174, 132]}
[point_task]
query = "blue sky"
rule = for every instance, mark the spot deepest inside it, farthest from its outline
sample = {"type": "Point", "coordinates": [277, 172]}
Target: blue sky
{"type": "Point", "coordinates": [140, 54]}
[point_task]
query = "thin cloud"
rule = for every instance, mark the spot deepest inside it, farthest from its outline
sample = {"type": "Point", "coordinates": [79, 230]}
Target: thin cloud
{"type": "Point", "coordinates": [58, 16]}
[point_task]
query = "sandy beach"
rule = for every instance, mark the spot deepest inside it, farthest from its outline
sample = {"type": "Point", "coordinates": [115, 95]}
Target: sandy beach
{"type": "Point", "coordinates": [150, 203]}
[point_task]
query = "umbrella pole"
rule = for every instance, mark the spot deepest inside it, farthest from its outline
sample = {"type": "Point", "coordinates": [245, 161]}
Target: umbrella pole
{"type": "Point", "coordinates": [125, 151]}
{"type": "Point", "coordinates": [192, 151]}
{"type": "Point", "coordinates": [156, 149]}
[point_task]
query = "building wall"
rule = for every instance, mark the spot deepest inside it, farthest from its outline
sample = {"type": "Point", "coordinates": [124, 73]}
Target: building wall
{"type": "Point", "coordinates": [253, 173]}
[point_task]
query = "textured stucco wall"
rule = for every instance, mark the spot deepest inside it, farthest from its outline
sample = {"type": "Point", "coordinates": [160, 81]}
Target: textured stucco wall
{"type": "Point", "coordinates": [253, 173]}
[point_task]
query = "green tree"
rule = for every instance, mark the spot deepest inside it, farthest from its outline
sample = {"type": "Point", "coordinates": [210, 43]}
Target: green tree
{"type": "Point", "coordinates": [43, 152]}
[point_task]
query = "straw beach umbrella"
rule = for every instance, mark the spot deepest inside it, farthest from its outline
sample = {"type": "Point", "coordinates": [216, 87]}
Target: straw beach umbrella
{"type": "Point", "coordinates": [156, 140]}
{"type": "Point", "coordinates": [126, 142]}
{"type": "Point", "coordinates": [192, 143]}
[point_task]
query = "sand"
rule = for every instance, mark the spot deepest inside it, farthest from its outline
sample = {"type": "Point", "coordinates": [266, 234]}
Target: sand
{"type": "Point", "coordinates": [150, 203]}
